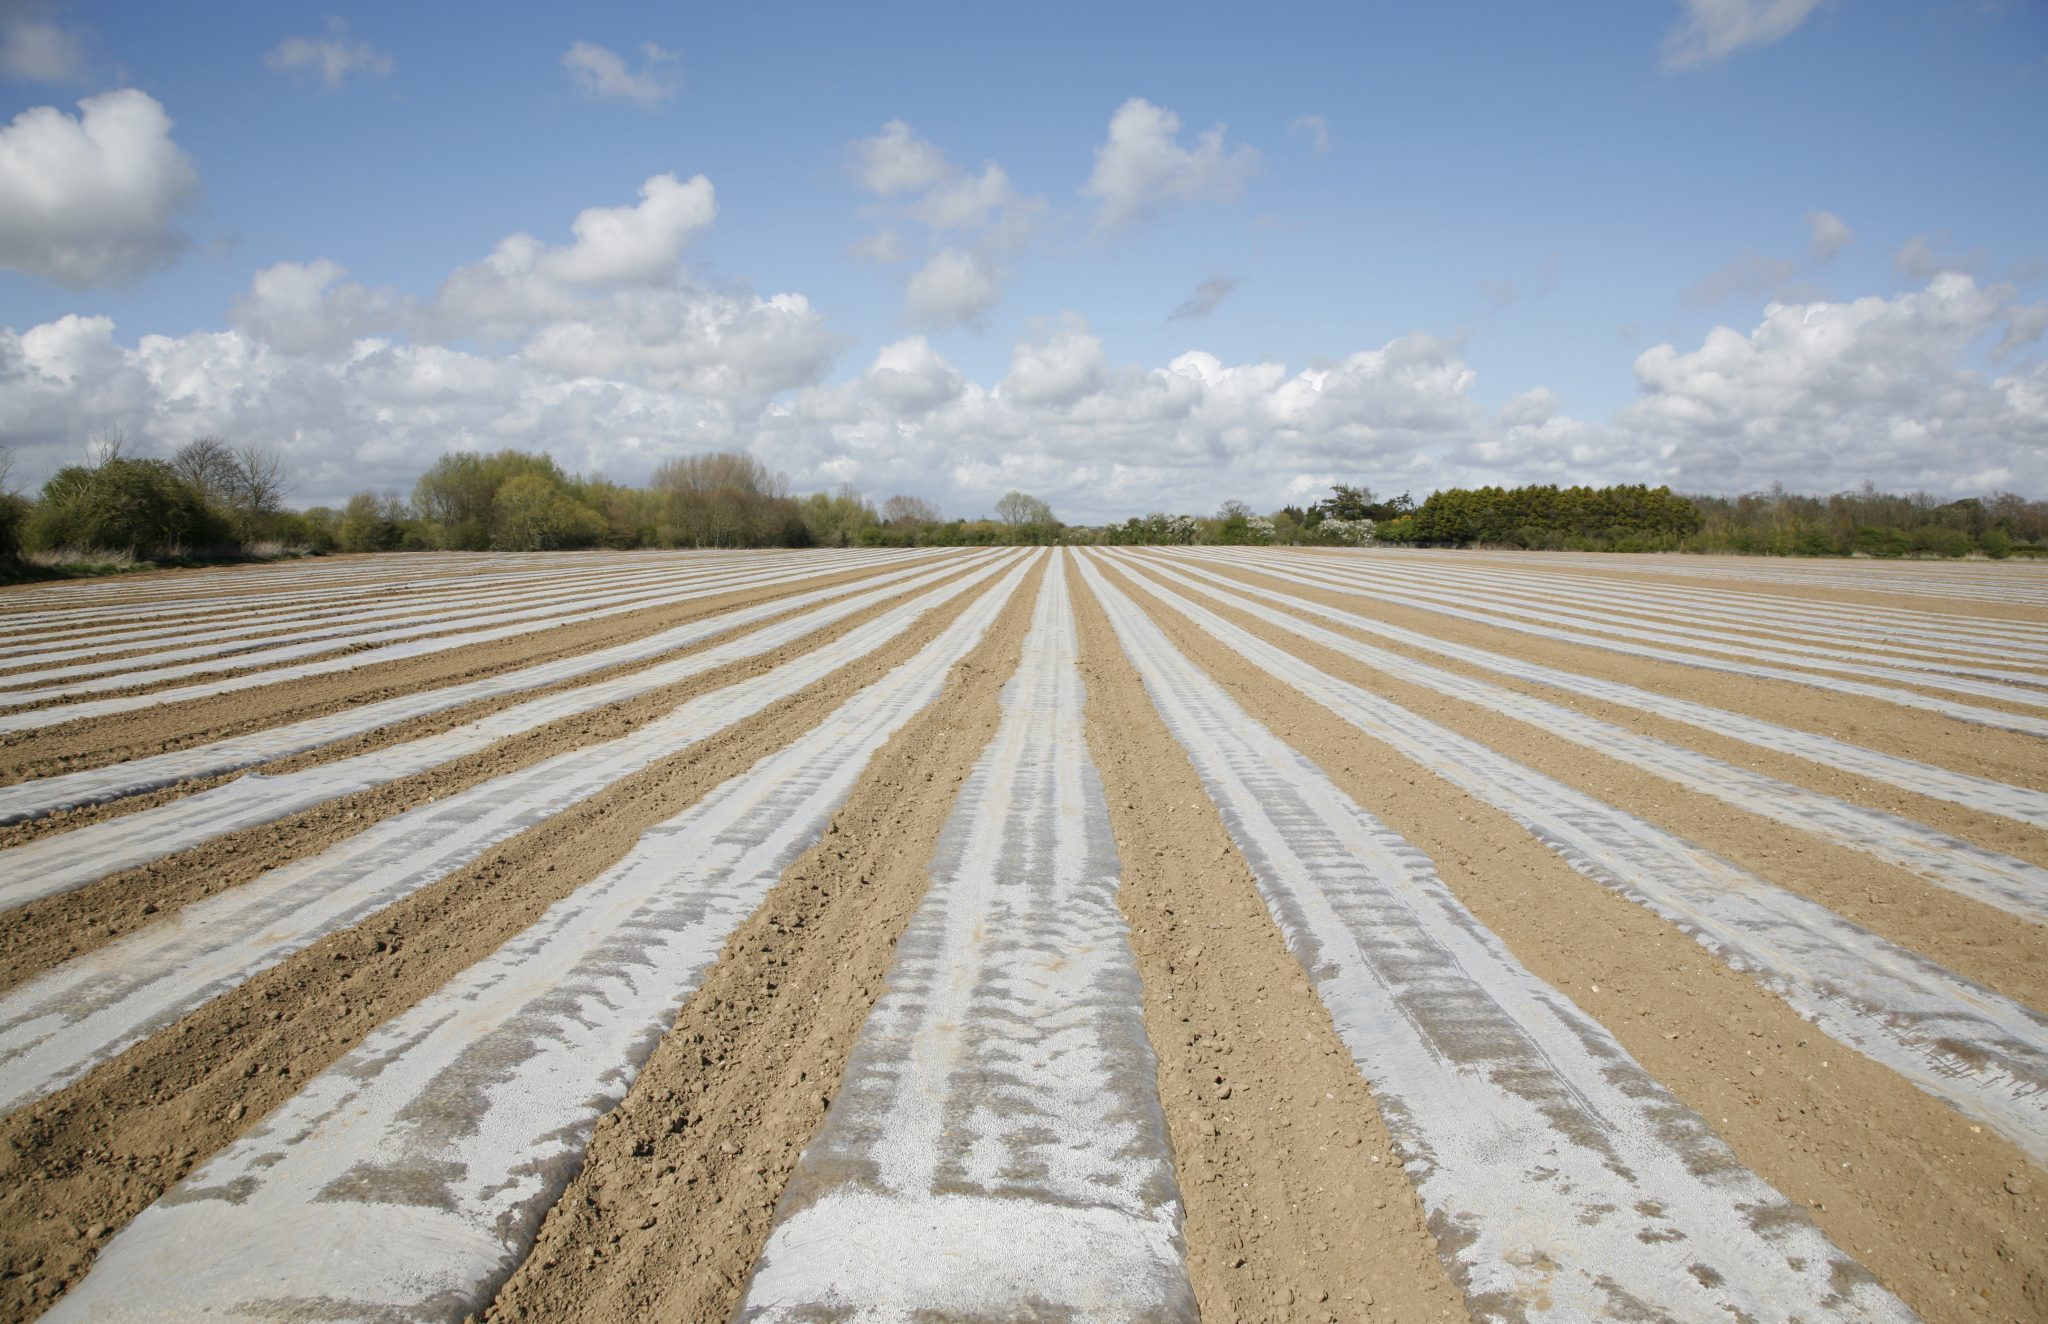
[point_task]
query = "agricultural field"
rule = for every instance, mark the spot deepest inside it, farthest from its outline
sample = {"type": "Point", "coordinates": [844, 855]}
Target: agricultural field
{"type": "Point", "coordinates": [999, 934]}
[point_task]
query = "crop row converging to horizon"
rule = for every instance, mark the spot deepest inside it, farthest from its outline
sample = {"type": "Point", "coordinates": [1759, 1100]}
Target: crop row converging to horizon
{"type": "Point", "coordinates": [212, 501]}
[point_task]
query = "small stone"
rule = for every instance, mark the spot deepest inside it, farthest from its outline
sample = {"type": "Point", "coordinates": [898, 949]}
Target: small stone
{"type": "Point", "coordinates": [2018, 1185]}
{"type": "Point", "coordinates": [728, 1147]}
{"type": "Point", "coordinates": [1284, 1297]}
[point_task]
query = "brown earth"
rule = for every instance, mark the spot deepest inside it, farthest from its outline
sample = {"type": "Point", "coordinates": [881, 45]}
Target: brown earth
{"type": "Point", "coordinates": [1929, 737]}
{"type": "Point", "coordinates": [57, 928]}
{"type": "Point", "coordinates": [1988, 830]}
{"type": "Point", "coordinates": [83, 1161]}
{"type": "Point", "coordinates": [97, 742]}
{"type": "Point", "coordinates": [376, 611]}
{"type": "Point", "coordinates": [1274, 1131]}
{"type": "Point", "coordinates": [1296, 1206]}
{"type": "Point", "coordinates": [678, 1188]}
{"type": "Point", "coordinates": [1932, 601]}
{"type": "Point", "coordinates": [1764, 633]}
{"type": "Point", "coordinates": [43, 695]}
{"type": "Point", "coordinates": [2001, 950]}
{"type": "Point", "coordinates": [433, 723]}
{"type": "Point", "coordinates": [1908, 1186]}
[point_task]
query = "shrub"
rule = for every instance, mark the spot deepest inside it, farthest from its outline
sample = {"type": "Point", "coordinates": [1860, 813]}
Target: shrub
{"type": "Point", "coordinates": [370, 523]}
{"type": "Point", "coordinates": [138, 507]}
{"type": "Point", "coordinates": [14, 513]}
{"type": "Point", "coordinates": [531, 514]}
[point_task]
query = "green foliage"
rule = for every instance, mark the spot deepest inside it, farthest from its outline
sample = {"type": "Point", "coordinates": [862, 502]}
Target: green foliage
{"type": "Point", "coordinates": [1356, 503]}
{"type": "Point", "coordinates": [244, 487]}
{"type": "Point", "coordinates": [14, 516]}
{"type": "Point", "coordinates": [837, 519]}
{"type": "Point", "coordinates": [1867, 522]}
{"type": "Point", "coordinates": [137, 508]}
{"type": "Point", "coordinates": [533, 514]}
{"type": "Point", "coordinates": [372, 523]}
{"type": "Point", "coordinates": [724, 499]}
{"type": "Point", "coordinates": [1155, 529]}
{"type": "Point", "coordinates": [1623, 518]}
{"type": "Point", "coordinates": [1027, 519]}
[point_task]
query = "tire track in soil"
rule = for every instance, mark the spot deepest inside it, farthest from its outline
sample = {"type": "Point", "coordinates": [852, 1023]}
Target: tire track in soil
{"type": "Point", "coordinates": [79, 1164]}
{"type": "Point", "coordinates": [679, 1183]}
{"type": "Point", "coordinates": [996, 1148]}
{"type": "Point", "coordinates": [1909, 1187]}
{"type": "Point", "coordinates": [1296, 1209]}
{"type": "Point", "coordinates": [95, 742]}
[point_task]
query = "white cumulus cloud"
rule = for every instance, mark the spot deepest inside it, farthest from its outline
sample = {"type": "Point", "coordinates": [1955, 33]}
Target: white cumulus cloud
{"type": "Point", "coordinates": [330, 60]}
{"type": "Point", "coordinates": [911, 378]}
{"type": "Point", "coordinates": [968, 221]}
{"type": "Point", "coordinates": [1825, 394]}
{"type": "Point", "coordinates": [89, 200]}
{"type": "Point", "coordinates": [896, 161]}
{"type": "Point", "coordinates": [1142, 167]}
{"type": "Point", "coordinates": [955, 288]}
{"type": "Point", "coordinates": [601, 74]}
{"type": "Point", "coordinates": [642, 242]}
{"type": "Point", "coordinates": [1057, 369]}
{"type": "Point", "coordinates": [306, 308]}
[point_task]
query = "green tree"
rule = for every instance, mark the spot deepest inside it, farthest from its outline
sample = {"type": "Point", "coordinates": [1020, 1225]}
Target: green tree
{"type": "Point", "coordinates": [1027, 519]}
{"type": "Point", "coordinates": [372, 523]}
{"type": "Point", "coordinates": [837, 519]}
{"type": "Point", "coordinates": [531, 514]}
{"type": "Point", "coordinates": [140, 508]}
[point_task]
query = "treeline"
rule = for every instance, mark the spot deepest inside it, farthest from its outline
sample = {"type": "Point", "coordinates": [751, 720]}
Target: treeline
{"type": "Point", "coordinates": [209, 501]}
{"type": "Point", "coordinates": [1629, 518]}
{"type": "Point", "coordinates": [213, 501]}
{"type": "Point", "coordinates": [1637, 518]}
{"type": "Point", "coordinates": [1870, 523]}
{"type": "Point", "coordinates": [517, 501]}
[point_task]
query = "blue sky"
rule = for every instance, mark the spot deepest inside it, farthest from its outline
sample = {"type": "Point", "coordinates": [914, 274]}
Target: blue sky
{"type": "Point", "coordinates": [1445, 243]}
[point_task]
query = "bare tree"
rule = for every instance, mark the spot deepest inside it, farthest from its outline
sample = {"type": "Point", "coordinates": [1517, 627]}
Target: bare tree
{"type": "Point", "coordinates": [109, 443]}
{"type": "Point", "coordinates": [901, 509]}
{"type": "Point", "coordinates": [208, 464]}
{"type": "Point", "coordinates": [261, 478]}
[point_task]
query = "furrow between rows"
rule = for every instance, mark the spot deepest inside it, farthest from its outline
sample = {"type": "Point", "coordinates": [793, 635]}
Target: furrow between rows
{"type": "Point", "coordinates": [1562, 1181]}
